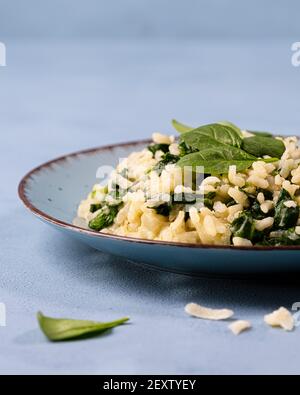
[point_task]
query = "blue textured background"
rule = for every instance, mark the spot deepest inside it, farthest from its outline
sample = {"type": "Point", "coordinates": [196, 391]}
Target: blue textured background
{"type": "Point", "coordinates": [149, 18]}
{"type": "Point", "coordinates": [81, 74]}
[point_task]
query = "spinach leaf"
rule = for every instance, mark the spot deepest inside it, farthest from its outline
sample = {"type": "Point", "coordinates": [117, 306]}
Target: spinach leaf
{"type": "Point", "coordinates": [66, 329]}
{"type": "Point", "coordinates": [181, 199]}
{"type": "Point", "coordinates": [158, 147]}
{"type": "Point", "coordinates": [216, 159]}
{"type": "Point", "coordinates": [283, 196]}
{"type": "Point", "coordinates": [231, 125]}
{"type": "Point", "coordinates": [256, 211]}
{"type": "Point", "coordinates": [180, 127]}
{"type": "Point", "coordinates": [260, 146]}
{"type": "Point", "coordinates": [184, 149]}
{"type": "Point", "coordinates": [164, 209]}
{"type": "Point", "coordinates": [285, 238]}
{"type": "Point", "coordinates": [267, 194]}
{"type": "Point", "coordinates": [285, 217]}
{"type": "Point", "coordinates": [105, 217]}
{"type": "Point", "coordinates": [211, 134]}
{"type": "Point", "coordinates": [262, 134]}
{"type": "Point", "coordinates": [243, 226]}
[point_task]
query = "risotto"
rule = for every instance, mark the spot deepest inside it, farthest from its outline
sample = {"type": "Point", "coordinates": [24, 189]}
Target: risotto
{"type": "Point", "coordinates": [215, 184]}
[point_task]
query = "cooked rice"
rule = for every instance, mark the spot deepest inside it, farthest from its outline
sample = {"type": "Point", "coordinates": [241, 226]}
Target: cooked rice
{"type": "Point", "coordinates": [146, 189]}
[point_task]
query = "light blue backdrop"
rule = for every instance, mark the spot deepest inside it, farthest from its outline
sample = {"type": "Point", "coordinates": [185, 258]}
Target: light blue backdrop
{"type": "Point", "coordinates": [149, 18]}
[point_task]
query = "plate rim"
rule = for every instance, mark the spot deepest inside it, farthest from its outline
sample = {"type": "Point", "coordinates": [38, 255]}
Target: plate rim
{"type": "Point", "coordinates": [90, 151]}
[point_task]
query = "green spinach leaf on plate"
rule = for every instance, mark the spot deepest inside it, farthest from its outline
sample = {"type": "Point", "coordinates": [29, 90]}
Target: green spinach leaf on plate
{"type": "Point", "coordinates": [260, 146]}
{"type": "Point", "coordinates": [199, 137]}
{"type": "Point", "coordinates": [216, 159]}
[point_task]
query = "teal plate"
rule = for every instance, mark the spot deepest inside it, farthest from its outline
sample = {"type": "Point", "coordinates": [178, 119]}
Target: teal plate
{"type": "Point", "coordinates": [53, 191]}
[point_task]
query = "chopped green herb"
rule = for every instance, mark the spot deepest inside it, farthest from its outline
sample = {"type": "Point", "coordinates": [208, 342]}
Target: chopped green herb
{"type": "Point", "coordinates": [243, 226]}
{"type": "Point", "coordinates": [158, 147]}
{"type": "Point", "coordinates": [283, 238]}
{"type": "Point", "coordinates": [167, 159]}
{"type": "Point", "coordinates": [285, 217]}
{"type": "Point", "coordinates": [95, 207]}
{"type": "Point", "coordinates": [164, 209]}
{"type": "Point", "coordinates": [256, 211]}
{"type": "Point", "coordinates": [105, 217]}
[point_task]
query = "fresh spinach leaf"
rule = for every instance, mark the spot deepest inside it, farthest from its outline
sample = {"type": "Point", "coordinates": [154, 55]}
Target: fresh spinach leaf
{"type": "Point", "coordinates": [180, 127]}
{"type": "Point", "coordinates": [105, 217]}
{"type": "Point", "coordinates": [260, 146]}
{"type": "Point", "coordinates": [184, 149]}
{"type": "Point", "coordinates": [231, 125]}
{"type": "Point", "coordinates": [262, 134]}
{"type": "Point", "coordinates": [217, 158]}
{"type": "Point", "coordinates": [67, 329]}
{"type": "Point", "coordinates": [211, 134]}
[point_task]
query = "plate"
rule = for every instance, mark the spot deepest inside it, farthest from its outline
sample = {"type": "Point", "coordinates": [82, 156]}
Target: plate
{"type": "Point", "coordinates": [53, 191]}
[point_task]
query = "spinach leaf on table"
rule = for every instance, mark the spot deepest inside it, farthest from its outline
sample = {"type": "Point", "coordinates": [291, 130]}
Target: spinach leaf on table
{"type": "Point", "coordinates": [67, 329]}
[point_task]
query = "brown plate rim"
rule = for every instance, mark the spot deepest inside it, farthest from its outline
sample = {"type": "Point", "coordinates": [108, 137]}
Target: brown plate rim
{"type": "Point", "coordinates": [62, 224]}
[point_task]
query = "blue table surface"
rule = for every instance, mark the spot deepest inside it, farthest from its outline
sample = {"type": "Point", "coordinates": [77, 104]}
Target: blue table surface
{"type": "Point", "coordinates": [61, 96]}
